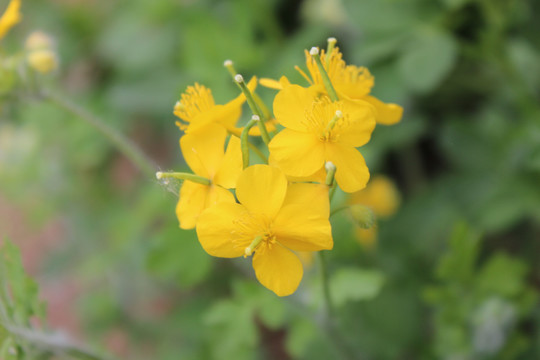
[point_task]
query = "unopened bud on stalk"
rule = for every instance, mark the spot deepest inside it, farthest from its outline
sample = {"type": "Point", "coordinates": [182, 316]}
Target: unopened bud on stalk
{"type": "Point", "coordinates": [239, 78]}
{"type": "Point", "coordinates": [362, 215]}
{"type": "Point", "coordinates": [41, 53]}
{"type": "Point", "coordinates": [43, 61]}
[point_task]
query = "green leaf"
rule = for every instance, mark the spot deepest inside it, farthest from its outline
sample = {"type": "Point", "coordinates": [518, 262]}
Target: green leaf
{"type": "Point", "coordinates": [458, 264]}
{"type": "Point", "coordinates": [502, 275]}
{"type": "Point", "coordinates": [178, 256]}
{"type": "Point", "coordinates": [428, 59]}
{"type": "Point", "coordinates": [300, 335]}
{"type": "Point", "coordinates": [353, 284]}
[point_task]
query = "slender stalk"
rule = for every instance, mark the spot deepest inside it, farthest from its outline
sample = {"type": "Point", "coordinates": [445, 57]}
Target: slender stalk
{"type": "Point", "coordinates": [183, 176]}
{"type": "Point", "coordinates": [54, 343]}
{"type": "Point", "coordinates": [244, 141]}
{"type": "Point", "coordinates": [253, 106]}
{"type": "Point", "coordinates": [325, 285]}
{"type": "Point", "coordinates": [314, 52]}
{"type": "Point", "coordinates": [254, 148]}
{"type": "Point", "coordinates": [122, 143]}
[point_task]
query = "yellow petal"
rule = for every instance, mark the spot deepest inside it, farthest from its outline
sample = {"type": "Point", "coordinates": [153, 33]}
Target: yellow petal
{"type": "Point", "coordinates": [302, 223]}
{"type": "Point", "coordinates": [297, 153]}
{"type": "Point", "coordinates": [359, 123]}
{"type": "Point", "coordinates": [381, 195]}
{"type": "Point", "coordinates": [231, 165]}
{"type": "Point", "coordinates": [195, 198]}
{"type": "Point", "coordinates": [366, 237]}
{"type": "Point", "coordinates": [204, 151]}
{"type": "Point", "coordinates": [254, 131]}
{"type": "Point", "coordinates": [261, 189]}
{"type": "Point", "coordinates": [217, 230]}
{"type": "Point", "coordinates": [387, 114]}
{"type": "Point", "coordinates": [290, 105]}
{"type": "Point", "coordinates": [270, 83]}
{"type": "Point", "coordinates": [278, 269]}
{"type": "Point", "coordinates": [10, 17]}
{"type": "Point", "coordinates": [352, 173]}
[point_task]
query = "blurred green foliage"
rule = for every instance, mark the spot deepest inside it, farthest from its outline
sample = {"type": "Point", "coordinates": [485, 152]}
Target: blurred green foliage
{"type": "Point", "coordinates": [455, 274]}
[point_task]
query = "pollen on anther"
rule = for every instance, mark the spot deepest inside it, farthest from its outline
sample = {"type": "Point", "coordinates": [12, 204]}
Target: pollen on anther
{"type": "Point", "coordinates": [339, 114]}
{"type": "Point", "coordinates": [227, 63]}
{"type": "Point", "coordinates": [314, 51]}
{"type": "Point", "coordinates": [159, 175]}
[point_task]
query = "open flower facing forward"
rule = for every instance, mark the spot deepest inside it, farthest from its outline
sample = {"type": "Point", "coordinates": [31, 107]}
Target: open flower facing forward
{"type": "Point", "coordinates": [204, 153]}
{"type": "Point", "coordinates": [319, 130]}
{"type": "Point", "coordinates": [352, 82]}
{"type": "Point", "coordinates": [10, 17]}
{"type": "Point", "coordinates": [272, 219]}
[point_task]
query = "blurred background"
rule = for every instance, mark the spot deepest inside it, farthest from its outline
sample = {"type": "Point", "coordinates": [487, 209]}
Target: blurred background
{"type": "Point", "coordinates": [452, 274]}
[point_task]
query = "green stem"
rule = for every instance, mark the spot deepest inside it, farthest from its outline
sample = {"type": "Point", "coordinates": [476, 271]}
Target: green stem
{"type": "Point", "coordinates": [253, 106]}
{"type": "Point", "coordinates": [324, 75]}
{"type": "Point", "coordinates": [53, 343]}
{"type": "Point", "coordinates": [336, 210]}
{"type": "Point", "coordinates": [183, 176]}
{"type": "Point", "coordinates": [325, 285]}
{"type": "Point", "coordinates": [255, 149]}
{"type": "Point", "coordinates": [122, 143]}
{"type": "Point", "coordinates": [244, 141]}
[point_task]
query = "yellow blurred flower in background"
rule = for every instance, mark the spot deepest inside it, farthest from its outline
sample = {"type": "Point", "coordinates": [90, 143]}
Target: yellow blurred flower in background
{"type": "Point", "coordinates": [272, 219]}
{"type": "Point", "coordinates": [382, 197]}
{"type": "Point", "coordinates": [41, 54]}
{"type": "Point", "coordinates": [205, 155]}
{"type": "Point", "coordinates": [10, 17]}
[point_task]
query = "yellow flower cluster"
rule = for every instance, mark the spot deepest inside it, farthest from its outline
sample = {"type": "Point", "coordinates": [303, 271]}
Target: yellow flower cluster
{"type": "Point", "coordinates": [273, 210]}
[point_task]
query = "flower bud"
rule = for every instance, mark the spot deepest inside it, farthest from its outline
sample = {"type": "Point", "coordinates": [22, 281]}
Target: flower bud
{"type": "Point", "coordinates": [38, 40]}
{"type": "Point", "coordinates": [363, 216]}
{"type": "Point", "coordinates": [43, 61]}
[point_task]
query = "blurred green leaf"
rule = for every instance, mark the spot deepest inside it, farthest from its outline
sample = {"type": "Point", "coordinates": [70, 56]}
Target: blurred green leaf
{"type": "Point", "coordinates": [458, 264]}
{"type": "Point", "coordinates": [427, 59]}
{"type": "Point", "coordinates": [502, 275]}
{"type": "Point", "coordinates": [352, 284]}
{"type": "Point", "coordinates": [177, 255]}
{"type": "Point", "coordinates": [301, 334]}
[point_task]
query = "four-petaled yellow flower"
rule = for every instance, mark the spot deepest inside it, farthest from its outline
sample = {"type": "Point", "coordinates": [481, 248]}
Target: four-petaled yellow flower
{"type": "Point", "coordinates": [204, 153]}
{"type": "Point", "coordinates": [272, 219]}
{"type": "Point", "coordinates": [10, 17]}
{"type": "Point", "coordinates": [319, 130]}
{"type": "Point", "coordinates": [351, 82]}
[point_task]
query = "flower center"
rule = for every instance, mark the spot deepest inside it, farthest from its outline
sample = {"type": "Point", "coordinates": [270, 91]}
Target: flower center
{"type": "Point", "coordinates": [194, 101]}
{"type": "Point", "coordinates": [326, 119]}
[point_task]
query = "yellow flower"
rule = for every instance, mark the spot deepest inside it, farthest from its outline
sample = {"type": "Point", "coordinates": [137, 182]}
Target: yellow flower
{"type": "Point", "coordinates": [204, 153]}
{"type": "Point", "coordinates": [382, 197]}
{"type": "Point", "coordinates": [197, 108]}
{"type": "Point", "coordinates": [349, 81]}
{"type": "Point", "coordinates": [10, 17]}
{"type": "Point", "coordinates": [352, 82]}
{"type": "Point", "coordinates": [319, 130]}
{"type": "Point", "coordinates": [272, 219]}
